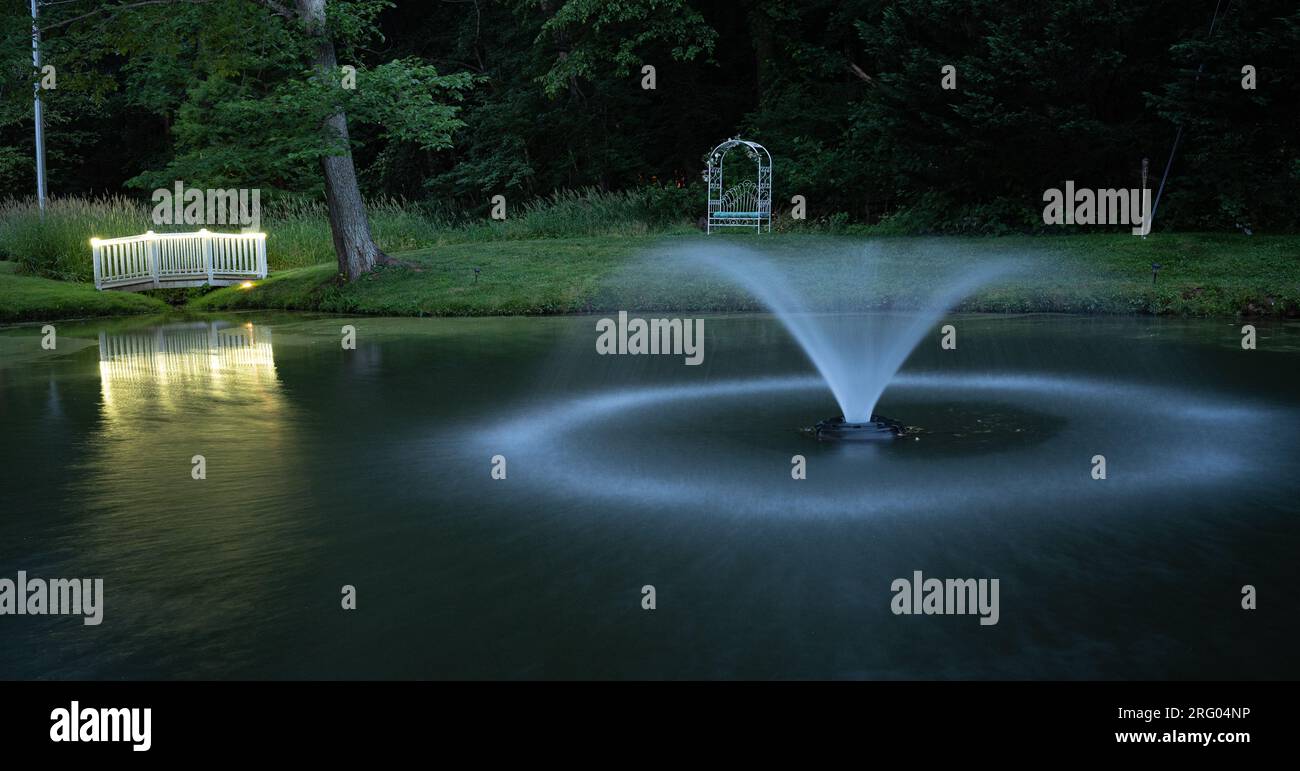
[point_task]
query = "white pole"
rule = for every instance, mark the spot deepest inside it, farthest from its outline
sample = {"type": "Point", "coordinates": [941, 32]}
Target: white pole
{"type": "Point", "coordinates": [40, 122]}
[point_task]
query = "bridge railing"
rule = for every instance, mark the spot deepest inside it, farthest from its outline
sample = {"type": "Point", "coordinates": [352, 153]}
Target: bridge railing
{"type": "Point", "coordinates": [178, 259]}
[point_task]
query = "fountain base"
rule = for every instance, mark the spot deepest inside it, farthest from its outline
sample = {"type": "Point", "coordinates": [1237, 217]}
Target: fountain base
{"type": "Point", "coordinates": [839, 430]}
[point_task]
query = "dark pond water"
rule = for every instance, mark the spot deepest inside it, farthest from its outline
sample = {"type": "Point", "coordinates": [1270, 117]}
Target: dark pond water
{"type": "Point", "coordinates": [372, 468]}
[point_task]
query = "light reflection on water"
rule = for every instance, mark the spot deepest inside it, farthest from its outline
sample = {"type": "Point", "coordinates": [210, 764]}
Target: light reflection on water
{"type": "Point", "coordinates": [179, 551]}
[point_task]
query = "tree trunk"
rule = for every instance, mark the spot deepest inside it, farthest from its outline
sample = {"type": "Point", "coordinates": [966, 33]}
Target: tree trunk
{"type": "Point", "coordinates": [353, 244]}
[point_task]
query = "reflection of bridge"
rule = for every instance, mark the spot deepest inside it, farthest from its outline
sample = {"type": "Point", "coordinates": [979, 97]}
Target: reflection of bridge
{"type": "Point", "coordinates": [202, 350]}
{"type": "Point", "coordinates": [157, 260]}
{"type": "Point", "coordinates": [168, 394]}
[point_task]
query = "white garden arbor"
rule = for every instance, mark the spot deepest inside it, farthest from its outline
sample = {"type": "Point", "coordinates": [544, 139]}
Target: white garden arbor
{"type": "Point", "coordinates": [748, 202]}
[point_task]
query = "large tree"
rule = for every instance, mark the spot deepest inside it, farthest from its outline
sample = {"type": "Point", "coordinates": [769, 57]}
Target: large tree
{"type": "Point", "coordinates": [353, 244]}
{"type": "Point", "coordinates": [252, 94]}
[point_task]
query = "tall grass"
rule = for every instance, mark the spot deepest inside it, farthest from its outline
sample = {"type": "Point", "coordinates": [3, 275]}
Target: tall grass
{"type": "Point", "coordinates": [589, 212]}
{"type": "Point", "coordinates": [298, 231]}
{"type": "Point", "coordinates": [59, 246]}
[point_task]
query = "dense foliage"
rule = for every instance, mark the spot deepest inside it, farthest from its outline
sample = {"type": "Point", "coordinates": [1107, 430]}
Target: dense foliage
{"type": "Point", "coordinates": [458, 101]}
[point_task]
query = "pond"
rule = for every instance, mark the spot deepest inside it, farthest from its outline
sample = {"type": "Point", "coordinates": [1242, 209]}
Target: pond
{"type": "Point", "coordinates": [324, 468]}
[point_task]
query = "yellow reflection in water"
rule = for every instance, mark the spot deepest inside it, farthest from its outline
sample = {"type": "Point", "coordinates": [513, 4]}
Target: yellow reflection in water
{"type": "Point", "coordinates": [163, 369]}
{"type": "Point", "coordinates": [169, 394]}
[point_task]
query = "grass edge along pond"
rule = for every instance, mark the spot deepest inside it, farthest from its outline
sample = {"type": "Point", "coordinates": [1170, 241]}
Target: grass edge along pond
{"type": "Point", "coordinates": [1201, 275]}
{"type": "Point", "coordinates": [1224, 275]}
{"type": "Point", "coordinates": [31, 298]}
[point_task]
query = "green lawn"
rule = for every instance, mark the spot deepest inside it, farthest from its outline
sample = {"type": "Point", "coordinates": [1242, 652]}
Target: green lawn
{"type": "Point", "coordinates": [27, 298]}
{"type": "Point", "coordinates": [534, 276]}
{"type": "Point", "coordinates": [1201, 275]}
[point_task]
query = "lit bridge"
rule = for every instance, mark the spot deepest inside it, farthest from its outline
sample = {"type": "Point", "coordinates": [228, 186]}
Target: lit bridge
{"type": "Point", "coordinates": [162, 260]}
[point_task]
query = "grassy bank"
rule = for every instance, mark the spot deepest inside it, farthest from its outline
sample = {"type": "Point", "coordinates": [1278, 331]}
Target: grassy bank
{"type": "Point", "coordinates": [57, 245]}
{"type": "Point", "coordinates": [535, 276]}
{"type": "Point", "coordinates": [1201, 275]}
{"type": "Point", "coordinates": [30, 298]}
{"type": "Point", "coordinates": [36, 248]}
{"type": "Point", "coordinates": [590, 251]}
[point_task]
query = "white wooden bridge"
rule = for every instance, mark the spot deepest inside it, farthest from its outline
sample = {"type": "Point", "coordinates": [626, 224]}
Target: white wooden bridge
{"type": "Point", "coordinates": [161, 260]}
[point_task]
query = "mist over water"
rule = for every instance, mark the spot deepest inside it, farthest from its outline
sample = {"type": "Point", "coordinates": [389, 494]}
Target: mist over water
{"type": "Point", "coordinates": [857, 312]}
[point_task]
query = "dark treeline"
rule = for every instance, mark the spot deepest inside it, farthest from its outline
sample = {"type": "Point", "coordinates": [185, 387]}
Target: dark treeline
{"type": "Point", "coordinates": [458, 101]}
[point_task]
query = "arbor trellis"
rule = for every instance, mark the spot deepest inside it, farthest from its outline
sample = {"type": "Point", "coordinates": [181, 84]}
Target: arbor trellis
{"type": "Point", "coordinates": [747, 204]}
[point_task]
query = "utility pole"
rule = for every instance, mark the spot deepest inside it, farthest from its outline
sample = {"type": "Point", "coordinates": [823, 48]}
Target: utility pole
{"type": "Point", "coordinates": [40, 122]}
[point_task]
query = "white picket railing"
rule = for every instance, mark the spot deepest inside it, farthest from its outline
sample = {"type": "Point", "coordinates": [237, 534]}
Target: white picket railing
{"type": "Point", "coordinates": [178, 259]}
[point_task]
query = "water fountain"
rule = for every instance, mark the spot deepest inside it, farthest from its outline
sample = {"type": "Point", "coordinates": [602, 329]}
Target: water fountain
{"type": "Point", "coordinates": [857, 319]}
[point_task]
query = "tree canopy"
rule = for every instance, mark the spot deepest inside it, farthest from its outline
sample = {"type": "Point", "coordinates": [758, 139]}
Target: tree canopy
{"type": "Point", "coordinates": [457, 101]}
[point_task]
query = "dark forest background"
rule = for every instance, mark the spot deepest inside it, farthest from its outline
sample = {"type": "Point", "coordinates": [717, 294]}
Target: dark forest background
{"type": "Point", "coordinates": [533, 96]}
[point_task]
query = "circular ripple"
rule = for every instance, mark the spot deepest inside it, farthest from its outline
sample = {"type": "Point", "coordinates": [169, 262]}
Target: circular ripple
{"type": "Point", "coordinates": [626, 446]}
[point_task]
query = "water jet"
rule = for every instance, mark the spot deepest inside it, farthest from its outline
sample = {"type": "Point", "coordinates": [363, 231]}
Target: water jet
{"type": "Point", "coordinates": [857, 318]}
